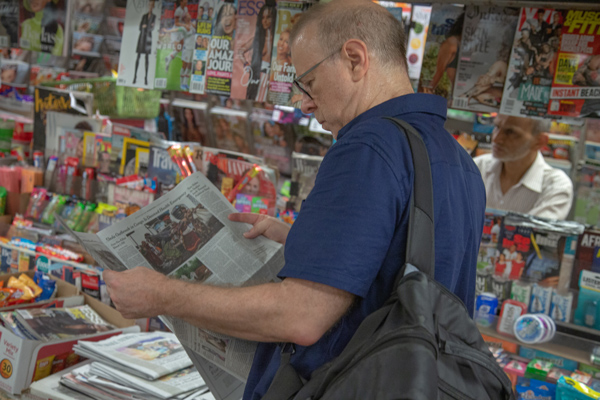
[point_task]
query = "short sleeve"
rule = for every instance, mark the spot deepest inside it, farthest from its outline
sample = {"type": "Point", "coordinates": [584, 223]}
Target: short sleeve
{"type": "Point", "coordinates": [346, 224]}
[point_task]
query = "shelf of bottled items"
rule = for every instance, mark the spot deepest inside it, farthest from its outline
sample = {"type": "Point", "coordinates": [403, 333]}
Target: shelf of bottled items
{"type": "Point", "coordinates": [570, 341]}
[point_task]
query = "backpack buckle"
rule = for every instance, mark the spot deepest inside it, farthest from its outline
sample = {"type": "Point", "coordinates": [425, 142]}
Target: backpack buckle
{"type": "Point", "coordinates": [288, 348]}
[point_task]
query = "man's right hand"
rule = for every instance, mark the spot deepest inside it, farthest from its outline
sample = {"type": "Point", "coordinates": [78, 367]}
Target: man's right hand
{"type": "Point", "coordinates": [269, 227]}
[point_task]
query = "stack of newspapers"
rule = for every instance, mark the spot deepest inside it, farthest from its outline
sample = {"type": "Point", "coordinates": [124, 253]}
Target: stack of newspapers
{"type": "Point", "coordinates": [135, 366]}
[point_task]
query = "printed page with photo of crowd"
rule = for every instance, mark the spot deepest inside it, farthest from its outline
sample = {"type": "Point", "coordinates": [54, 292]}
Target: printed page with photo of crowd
{"type": "Point", "coordinates": [186, 234]}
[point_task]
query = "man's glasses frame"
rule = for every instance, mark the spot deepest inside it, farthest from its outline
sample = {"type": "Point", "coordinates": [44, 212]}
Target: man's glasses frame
{"type": "Point", "coordinates": [300, 85]}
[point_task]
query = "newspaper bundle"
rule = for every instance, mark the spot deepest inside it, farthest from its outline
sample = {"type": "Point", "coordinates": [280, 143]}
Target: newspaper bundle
{"type": "Point", "coordinates": [147, 356]}
{"type": "Point", "coordinates": [186, 234]}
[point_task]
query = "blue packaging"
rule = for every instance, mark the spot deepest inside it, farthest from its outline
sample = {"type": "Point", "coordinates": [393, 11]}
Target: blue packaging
{"type": "Point", "coordinates": [570, 389]}
{"type": "Point", "coordinates": [5, 259]}
{"type": "Point", "coordinates": [560, 310]}
{"type": "Point", "coordinates": [532, 389]}
{"type": "Point", "coordinates": [586, 313]}
{"type": "Point", "coordinates": [559, 362]}
{"type": "Point", "coordinates": [541, 298]}
{"type": "Point", "coordinates": [486, 308]}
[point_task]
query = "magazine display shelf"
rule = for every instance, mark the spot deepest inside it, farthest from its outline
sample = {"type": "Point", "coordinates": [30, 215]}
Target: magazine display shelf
{"type": "Point", "coordinates": [580, 4]}
{"type": "Point", "coordinates": [564, 345]}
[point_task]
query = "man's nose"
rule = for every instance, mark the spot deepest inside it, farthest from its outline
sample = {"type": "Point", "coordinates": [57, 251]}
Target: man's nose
{"type": "Point", "coordinates": [308, 104]}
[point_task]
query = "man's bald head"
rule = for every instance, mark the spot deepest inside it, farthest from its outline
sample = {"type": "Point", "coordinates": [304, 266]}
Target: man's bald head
{"type": "Point", "coordinates": [340, 20]}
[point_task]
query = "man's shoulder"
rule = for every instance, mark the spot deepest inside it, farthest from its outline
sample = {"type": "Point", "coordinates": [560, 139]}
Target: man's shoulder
{"type": "Point", "coordinates": [556, 178]}
{"type": "Point", "coordinates": [484, 161]}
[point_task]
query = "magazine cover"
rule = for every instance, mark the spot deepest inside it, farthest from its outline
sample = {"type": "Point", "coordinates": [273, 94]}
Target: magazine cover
{"type": "Point", "coordinates": [205, 19]}
{"type": "Point", "coordinates": [96, 150]}
{"type": "Point", "coordinates": [86, 44]}
{"type": "Point", "coordinates": [230, 130]}
{"type": "Point", "coordinates": [134, 157]}
{"type": "Point", "coordinates": [90, 7]}
{"type": "Point", "coordinates": [14, 73]}
{"type": "Point", "coordinates": [576, 86]}
{"type": "Point", "coordinates": [44, 26]}
{"type": "Point", "coordinates": [304, 174]}
{"type": "Point", "coordinates": [441, 50]}
{"type": "Point", "coordinates": [57, 122]}
{"type": "Point", "coordinates": [587, 198]}
{"type": "Point", "coordinates": [226, 171]}
{"type": "Point", "coordinates": [586, 256]}
{"type": "Point", "coordinates": [87, 23]}
{"type": "Point", "coordinates": [119, 134]}
{"type": "Point", "coordinates": [485, 46]}
{"type": "Point", "coordinates": [219, 62]}
{"type": "Point", "coordinates": [531, 65]}
{"type": "Point", "coordinates": [161, 168]}
{"type": "Point", "coordinates": [417, 37]}
{"type": "Point", "coordinates": [401, 11]}
{"type": "Point", "coordinates": [253, 48]}
{"type": "Point", "coordinates": [50, 99]}
{"type": "Point", "coordinates": [57, 323]}
{"type": "Point", "coordinates": [176, 44]}
{"type": "Point", "coordinates": [283, 72]}
{"type": "Point", "coordinates": [191, 124]}
{"type": "Point", "coordinates": [9, 23]}
{"type": "Point", "coordinates": [273, 141]}
{"type": "Point", "coordinates": [137, 60]}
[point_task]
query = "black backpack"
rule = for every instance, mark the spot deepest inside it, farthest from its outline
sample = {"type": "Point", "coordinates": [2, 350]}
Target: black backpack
{"type": "Point", "coordinates": [421, 344]}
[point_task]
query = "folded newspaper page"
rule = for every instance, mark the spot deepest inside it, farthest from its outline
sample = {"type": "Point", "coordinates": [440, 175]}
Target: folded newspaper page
{"type": "Point", "coordinates": [186, 234]}
{"type": "Point", "coordinates": [180, 382]}
{"type": "Point", "coordinates": [50, 387]}
{"type": "Point", "coordinates": [150, 356]}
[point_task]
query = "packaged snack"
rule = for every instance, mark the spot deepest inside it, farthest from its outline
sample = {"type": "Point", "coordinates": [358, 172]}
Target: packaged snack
{"type": "Point", "coordinates": [569, 389]}
{"type": "Point", "coordinates": [538, 369]}
{"type": "Point", "coordinates": [534, 328]}
{"type": "Point", "coordinates": [55, 206]}
{"type": "Point", "coordinates": [533, 389]}
{"type": "Point", "coordinates": [555, 374]}
{"type": "Point", "coordinates": [27, 292]}
{"type": "Point", "coordinates": [582, 377]}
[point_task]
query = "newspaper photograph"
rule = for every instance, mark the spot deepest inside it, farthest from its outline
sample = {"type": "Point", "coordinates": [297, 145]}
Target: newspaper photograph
{"type": "Point", "coordinates": [148, 356]}
{"type": "Point", "coordinates": [186, 234]}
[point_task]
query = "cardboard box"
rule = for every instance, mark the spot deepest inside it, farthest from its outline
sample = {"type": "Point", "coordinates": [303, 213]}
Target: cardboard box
{"type": "Point", "coordinates": [21, 359]}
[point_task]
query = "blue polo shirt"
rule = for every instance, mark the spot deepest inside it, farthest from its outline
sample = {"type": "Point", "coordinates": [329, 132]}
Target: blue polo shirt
{"type": "Point", "coordinates": [351, 231]}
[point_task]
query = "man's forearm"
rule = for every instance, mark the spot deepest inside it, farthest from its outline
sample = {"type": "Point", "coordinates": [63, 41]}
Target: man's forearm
{"type": "Point", "coordinates": [258, 313]}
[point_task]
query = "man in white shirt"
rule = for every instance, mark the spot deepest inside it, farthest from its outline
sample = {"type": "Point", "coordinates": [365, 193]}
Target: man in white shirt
{"type": "Point", "coordinates": [515, 175]}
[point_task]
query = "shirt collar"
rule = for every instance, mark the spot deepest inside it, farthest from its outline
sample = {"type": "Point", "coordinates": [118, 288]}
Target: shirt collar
{"type": "Point", "coordinates": [398, 106]}
{"type": "Point", "coordinates": [534, 177]}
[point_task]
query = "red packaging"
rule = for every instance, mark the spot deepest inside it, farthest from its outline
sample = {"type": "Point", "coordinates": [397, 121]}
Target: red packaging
{"type": "Point", "coordinates": [511, 310]}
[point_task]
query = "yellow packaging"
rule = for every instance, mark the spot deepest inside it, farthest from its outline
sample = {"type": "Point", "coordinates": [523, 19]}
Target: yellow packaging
{"type": "Point", "coordinates": [28, 293]}
{"type": "Point", "coordinates": [26, 279]}
{"type": "Point", "coordinates": [43, 368]}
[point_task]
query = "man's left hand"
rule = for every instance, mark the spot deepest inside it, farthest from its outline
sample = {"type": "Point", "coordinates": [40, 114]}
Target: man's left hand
{"type": "Point", "coordinates": [137, 293]}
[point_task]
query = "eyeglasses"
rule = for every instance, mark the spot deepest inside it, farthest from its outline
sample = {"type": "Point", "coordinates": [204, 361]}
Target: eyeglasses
{"type": "Point", "coordinates": [300, 85]}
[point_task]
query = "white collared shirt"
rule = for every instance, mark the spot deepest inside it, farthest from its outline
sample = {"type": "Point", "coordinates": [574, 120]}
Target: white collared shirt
{"type": "Point", "coordinates": [543, 191]}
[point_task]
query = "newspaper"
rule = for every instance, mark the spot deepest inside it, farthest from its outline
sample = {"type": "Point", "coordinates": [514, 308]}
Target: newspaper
{"type": "Point", "coordinates": [180, 382]}
{"type": "Point", "coordinates": [186, 234]}
{"type": "Point", "coordinates": [50, 387]}
{"type": "Point", "coordinates": [149, 355]}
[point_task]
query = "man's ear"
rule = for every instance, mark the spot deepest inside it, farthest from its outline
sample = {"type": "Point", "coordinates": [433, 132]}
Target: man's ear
{"type": "Point", "coordinates": [541, 140]}
{"type": "Point", "coordinates": [355, 52]}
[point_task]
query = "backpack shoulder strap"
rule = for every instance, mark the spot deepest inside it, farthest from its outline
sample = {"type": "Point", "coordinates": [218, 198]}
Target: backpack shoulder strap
{"type": "Point", "coordinates": [420, 245]}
